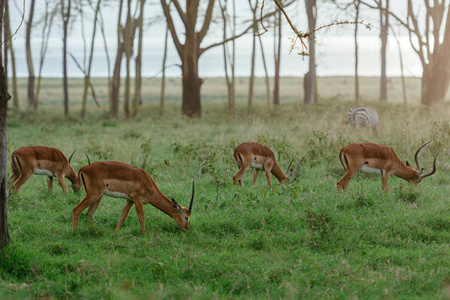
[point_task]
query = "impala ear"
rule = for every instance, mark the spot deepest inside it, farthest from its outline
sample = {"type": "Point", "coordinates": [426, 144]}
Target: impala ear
{"type": "Point", "coordinates": [176, 205]}
{"type": "Point", "coordinates": [407, 163]}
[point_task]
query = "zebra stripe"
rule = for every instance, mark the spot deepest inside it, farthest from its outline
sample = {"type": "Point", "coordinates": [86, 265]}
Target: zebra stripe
{"type": "Point", "coordinates": [364, 116]}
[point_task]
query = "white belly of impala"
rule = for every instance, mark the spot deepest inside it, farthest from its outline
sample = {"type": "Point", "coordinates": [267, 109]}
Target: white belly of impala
{"type": "Point", "coordinates": [43, 172]}
{"type": "Point", "coordinates": [116, 194]}
{"type": "Point", "coordinates": [257, 166]}
{"type": "Point", "coordinates": [368, 170]}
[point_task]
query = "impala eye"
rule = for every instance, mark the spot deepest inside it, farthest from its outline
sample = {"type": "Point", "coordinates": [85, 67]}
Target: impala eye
{"type": "Point", "coordinates": [186, 218]}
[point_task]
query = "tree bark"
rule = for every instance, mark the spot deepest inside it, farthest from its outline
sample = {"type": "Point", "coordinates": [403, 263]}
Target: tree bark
{"type": "Point", "coordinates": [356, 53]}
{"type": "Point", "coordinates": [310, 82]}
{"type": "Point", "coordinates": [384, 21]}
{"type": "Point", "coordinates": [87, 77]}
{"type": "Point", "coordinates": [30, 91]}
{"type": "Point", "coordinates": [277, 52]}
{"type": "Point", "coordinates": [138, 79]}
{"type": "Point", "coordinates": [251, 82]}
{"type": "Point", "coordinates": [128, 49]}
{"type": "Point", "coordinates": [66, 16]}
{"type": "Point", "coordinates": [163, 77]}
{"type": "Point", "coordinates": [115, 83]}
{"type": "Point", "coordinates": [267, 80]}
{"type": "Point", "coordinates": [4, 232]}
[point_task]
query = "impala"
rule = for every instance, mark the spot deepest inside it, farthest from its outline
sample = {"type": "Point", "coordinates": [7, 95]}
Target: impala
{"type": "Point", "coordinates": [119, 180]}
{"type": "Point", "coordinates": [260, 158]}
{"type": "Point", "coordinates": [379, 159]}
{"type": "Point", "coordinates": [41, 160]}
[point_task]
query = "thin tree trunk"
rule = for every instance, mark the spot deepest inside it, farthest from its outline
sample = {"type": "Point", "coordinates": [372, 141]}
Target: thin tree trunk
{"type": "Point", "coordinates": [128, 48]}
{"type": "Point", "coordinates": [229, 60]}
{"type": "Point", "coordinates": [267, 80]}
{"type": "Point", "coordinates": [310, 81]}
{"type": "Point", "coordinates": [356, 54]}
{"type": "Point", "coordinates": [4, 232]}
{"type": "Point", "coordinates": [137, 82]}
{"type": "Point", "coordinates": [13, 60]}
{"type": "Point", "coordinates": [384, 20]}
{"type": "Point", "coordinates": [115, 85]}
{"type": "Point", "coordinates": [276, 90]}
{"type": "Point", "coordinates": [251, 83]}
{"type": "Point", "coordinates": [66, 17]}
{"type": "Point", "coordinates": [87, 77]}
{"type": "Point", "coordinates": [46, 29]}
{"type": "Point", "coordinates": [30, 90]}
{"type": "Point", "coordinates": [163, 78]}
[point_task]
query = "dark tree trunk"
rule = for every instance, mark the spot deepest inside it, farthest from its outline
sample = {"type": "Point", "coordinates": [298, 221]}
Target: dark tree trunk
{"type": "Point", "coordinates": [310, 82]}
{"type": "Point", "coordinates": [435, 83]}
{"type": "Point", "coordinates": [4, 233]}
{"type": "Point", "coordinates": [31, 78]}
{"type": "Point", "coordinates": [15, 92]}
{"type": "Point", "coordinates": [66, 17]}
{"type": "Point", "coordinates": [384, 13]}
{"type": "Point", "coordinates": [137, 82]}
{"type": "Point", "coordinates": [356, 54]}
{"type": "Point", "coordinates": [115, 83]}
{"type": "Point", "coordinates": [251, 83]}
{"type": "Point", "coordinates": [191, 104]}
{"type": "Point", "coordinates": [276, 89]}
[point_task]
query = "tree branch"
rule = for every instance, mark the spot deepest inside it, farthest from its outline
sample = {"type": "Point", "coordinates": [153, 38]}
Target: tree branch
{"type": "Point", "coordinates": [207, 22]}
{"type": "Point", "coordinates": [173, 32]}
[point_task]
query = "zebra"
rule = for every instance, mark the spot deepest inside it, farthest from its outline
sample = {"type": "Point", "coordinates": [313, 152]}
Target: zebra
{"type": "Point", "coordinates": [360, 116]}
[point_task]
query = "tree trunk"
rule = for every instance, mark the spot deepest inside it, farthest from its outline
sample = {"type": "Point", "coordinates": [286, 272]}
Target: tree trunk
{"type": "Point", "coordinates": [276, 89]}
{"type": "Point", "coordinates": [251, 82]}
{"type": "Point", "coordinates": [66, 16]}
{"type": "Point", "coordinates": [115, 83]}
{"type": "Point", "coordinates": [15, 92]}
{"type": "Point", "coordinates": [265, 70]}
{"type": "Point", "coordinates": [163, 77]}
{"type": "Point", "coordinates": [435, 83]}
{"type": "Point", "coordinates": [310, 81]}
{"type": "Point", "coordinates": [87, 77]}
{"type": "Point", "coordinates": [128, 49]}
{"type": "Point", "coordinates": [384, 14]}
{"type": "Point", "coordinates": [137, 82]}
{"type": "Point", "coordinates": [356, 54]}
{"type": "Point", "coordinates": [4, 233]}
{"type": "Point", "coordinates": [30, 90]}
{"type": "Point", "coordinates": [191, 103]}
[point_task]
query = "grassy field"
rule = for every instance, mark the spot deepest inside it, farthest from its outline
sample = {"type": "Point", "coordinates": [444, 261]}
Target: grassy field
{"type": "Point", "coordinates": [301, 239]}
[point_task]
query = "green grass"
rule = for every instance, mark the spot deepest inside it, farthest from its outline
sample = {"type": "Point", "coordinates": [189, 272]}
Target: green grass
{"type": "Point", "coordinates": [301, 239]}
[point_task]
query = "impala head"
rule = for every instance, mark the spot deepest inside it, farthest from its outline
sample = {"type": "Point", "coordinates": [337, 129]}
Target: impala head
{"type": "Point", "coordinates": [420, 174]}
{"type": "Point", "coordinates": [184, 218]}
{"type": "Point", "coordinates": [290, 171]}
{"type": "Point", "coordinates": [72, 176]}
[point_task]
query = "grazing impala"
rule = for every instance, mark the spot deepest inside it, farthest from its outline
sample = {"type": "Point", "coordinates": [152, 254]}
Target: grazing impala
{"type": "Point", "coordinates": [119, 180]}
{"type": "Point", "coordinates": [260, 158]}
{"type": "Point", "coordinates": [379, 159]}
{"type": "Point", "coordinates": [41, 160]}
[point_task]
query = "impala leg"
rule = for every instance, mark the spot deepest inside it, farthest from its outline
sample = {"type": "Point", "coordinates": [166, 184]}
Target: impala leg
{"type": "Point", "coordinates": [49, 183]}
{"type": "Point", "coordinates": [77, 210]}
{"type": "Point", "coordinates": [238, 176]}
{"type": "Point", "coordinates": [255, 176]}
{"type": "Point", "coordinates": [269, 177]}
{"type": "Point", "coordinates": [92, 209]}
{"type": "Point", "coordinates": [384, 181]}
{"type": "Point", "coordinates": [124, 214]}
{"type": "Point", "coordinates": [22, 179]}
{"type": "Point", "coordinates": [343, 183]}
{"type": "Point", "coordinates": [140, 212]}
{"type": "Point", "coordinates": [62, 183]}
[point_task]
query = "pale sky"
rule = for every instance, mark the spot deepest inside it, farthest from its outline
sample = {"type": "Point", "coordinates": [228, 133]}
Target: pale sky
{"type": "Point", "coordinates": [335, 46]}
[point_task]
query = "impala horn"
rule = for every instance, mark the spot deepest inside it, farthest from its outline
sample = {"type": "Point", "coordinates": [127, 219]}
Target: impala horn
{"type": "Point", "coordinates": [192, 200]}
{"type": "Point", "coordinates": [288, 170]}
{"type": "Point", "coordinates": [299, 168]}
{"type": "Point", "coordinates": [434, 164]}
{"type": "Point", "coordinates": [89, 161]}
{"type": "Point", "coordinates": [72, 155]}
{"type": "Point", "coordinates": [417, 153]}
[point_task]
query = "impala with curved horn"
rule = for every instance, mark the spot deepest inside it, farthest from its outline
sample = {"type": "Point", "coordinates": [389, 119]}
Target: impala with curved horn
{"type": "Point", "coordinates": [41, 160]}
{"type": "Point", "coordinates": [379, 159]}
{"type": "Point", "coordinates": [119, 180]}
{"type": "Point", "coordinates": [261, 158]}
